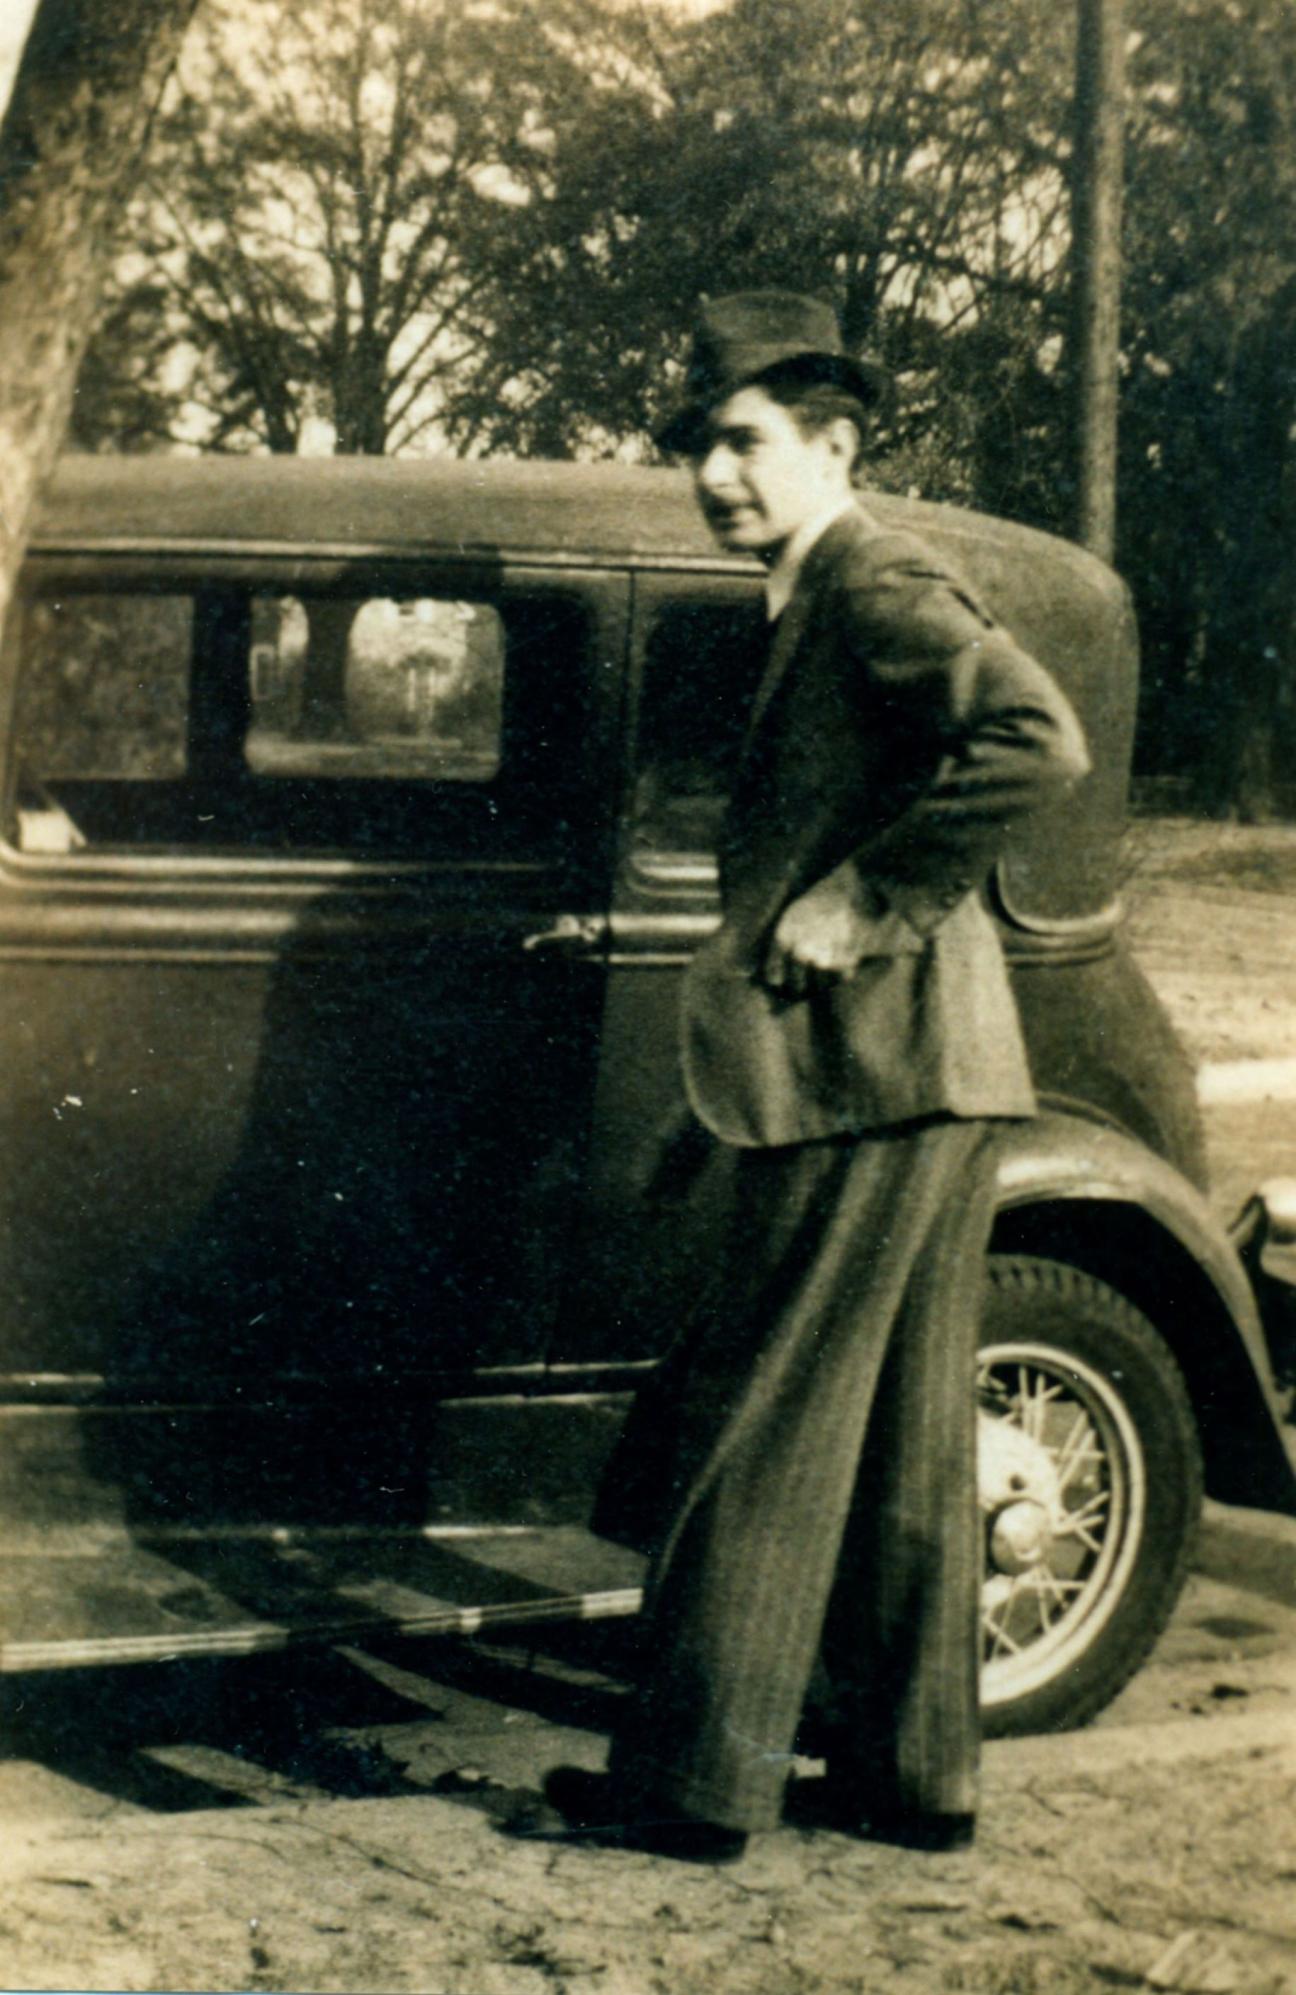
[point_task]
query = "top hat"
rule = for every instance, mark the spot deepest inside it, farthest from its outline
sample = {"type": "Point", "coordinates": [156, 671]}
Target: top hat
{"type": "Point", "coordinates": [741, 339]}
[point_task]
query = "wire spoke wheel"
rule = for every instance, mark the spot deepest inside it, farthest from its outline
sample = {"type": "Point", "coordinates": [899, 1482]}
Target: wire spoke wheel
{"type": "Point", "coordinates": [1059, 1543]}
{"type": "Point", "coordinates": [1090, 1485]}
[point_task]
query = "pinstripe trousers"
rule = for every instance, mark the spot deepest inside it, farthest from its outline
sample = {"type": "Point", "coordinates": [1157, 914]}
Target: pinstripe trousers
{"type": "Point", "coordinates": [824, 1482]}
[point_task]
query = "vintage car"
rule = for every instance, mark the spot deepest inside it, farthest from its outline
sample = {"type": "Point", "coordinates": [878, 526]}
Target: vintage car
{"type": "Point", "coordinates": [358, 821]}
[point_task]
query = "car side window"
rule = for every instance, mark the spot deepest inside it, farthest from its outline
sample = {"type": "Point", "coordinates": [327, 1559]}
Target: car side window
{"type": "Point", "coordinates": [105, 686]}
{"type": "Point", "coordinates": [701, 663]}
{"type": "Point", "coordinates": [290, 719]}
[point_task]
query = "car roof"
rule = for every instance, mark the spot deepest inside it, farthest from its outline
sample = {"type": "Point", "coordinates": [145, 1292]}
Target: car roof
{"type": "Point", "coordinates": [353, 503]}
{"type": "Point", "coordinates": [591, 513]}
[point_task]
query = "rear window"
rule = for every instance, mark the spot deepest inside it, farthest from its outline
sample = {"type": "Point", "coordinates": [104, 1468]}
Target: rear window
{"type": "Point", "coordinates": [387, 688]}
{"type": "Point", "coordinates": [229, 716]}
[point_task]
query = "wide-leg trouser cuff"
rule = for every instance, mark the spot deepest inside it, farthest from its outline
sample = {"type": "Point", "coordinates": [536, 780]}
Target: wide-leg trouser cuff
{"type": "Point", "coordinates": [752, 1804]}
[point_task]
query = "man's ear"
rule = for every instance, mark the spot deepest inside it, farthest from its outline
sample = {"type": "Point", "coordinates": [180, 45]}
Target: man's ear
{"type": "Point", "coordinates": [844, 441]}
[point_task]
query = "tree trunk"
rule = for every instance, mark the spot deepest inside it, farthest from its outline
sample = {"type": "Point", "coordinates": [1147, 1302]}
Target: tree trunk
{"type": "Point", "coordinates": [86, 88]}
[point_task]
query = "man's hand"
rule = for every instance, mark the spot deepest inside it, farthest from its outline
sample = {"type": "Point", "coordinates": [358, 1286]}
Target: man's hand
{"type": "Point", "coordinates": [820, 938]}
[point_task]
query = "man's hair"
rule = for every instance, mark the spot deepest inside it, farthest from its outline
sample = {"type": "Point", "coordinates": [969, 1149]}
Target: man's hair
{"type": "Point", "coordinates": [815, 405]}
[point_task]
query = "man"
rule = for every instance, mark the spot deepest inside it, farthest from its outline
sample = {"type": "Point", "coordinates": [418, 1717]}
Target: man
{"type": "Point", "coordinates": [850, 1029]}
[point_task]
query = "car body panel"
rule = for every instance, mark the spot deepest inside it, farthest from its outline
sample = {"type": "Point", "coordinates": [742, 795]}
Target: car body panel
{"type": "Point", "coordinates": [348, 1190]}
{"type": "Point", "coordinates": [1059, 1160]}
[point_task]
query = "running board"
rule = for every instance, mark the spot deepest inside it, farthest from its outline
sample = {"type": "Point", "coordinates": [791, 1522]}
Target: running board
{"type": "Point", "coordinates": [261, 1593]}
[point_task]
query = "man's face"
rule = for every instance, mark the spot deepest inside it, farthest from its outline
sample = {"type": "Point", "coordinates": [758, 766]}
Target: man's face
{"type": "Point", "coordinates": [758, 478]}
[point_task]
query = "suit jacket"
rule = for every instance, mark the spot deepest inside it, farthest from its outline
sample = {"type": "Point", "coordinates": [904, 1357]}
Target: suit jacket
{"type": "Point", "coordinates": [896, 734]}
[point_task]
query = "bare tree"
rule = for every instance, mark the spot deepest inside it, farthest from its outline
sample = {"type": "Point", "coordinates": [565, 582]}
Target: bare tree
{"type": "Point", "coordinates": [328, 203]}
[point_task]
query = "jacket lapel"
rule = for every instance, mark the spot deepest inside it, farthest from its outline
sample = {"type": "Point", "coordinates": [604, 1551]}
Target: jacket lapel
{"type": "Point", "coordinates": [846, 527]}
{"type": "Point", "coordinates": [787, 635]}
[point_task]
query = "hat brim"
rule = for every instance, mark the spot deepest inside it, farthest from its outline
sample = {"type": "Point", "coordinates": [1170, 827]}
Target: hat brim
{"type": "Point", "coordinates": [869, 383]}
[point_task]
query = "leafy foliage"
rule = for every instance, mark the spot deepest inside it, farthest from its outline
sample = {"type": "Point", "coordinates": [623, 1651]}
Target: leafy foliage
{"type": "Point", "coordinates": [901, 158]}
{"type": "Point", "coordinates": [385, 225]}
{"type": "Point", "coordinates": [1208, 476]}
{"type": "Point", "coordinates": [393, 219]}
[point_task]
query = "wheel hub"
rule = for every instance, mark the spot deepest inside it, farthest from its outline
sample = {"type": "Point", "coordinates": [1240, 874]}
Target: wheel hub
{"type": "Point", "coordinates": [1020, 1495]}
{"type": "Point", "coordinates": [1021, 1536]}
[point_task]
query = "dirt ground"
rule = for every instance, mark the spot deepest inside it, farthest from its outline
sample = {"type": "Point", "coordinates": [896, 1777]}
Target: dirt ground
{"type": "Point", "coordinates": [1212, 916]}
{"type": "Point", "coordinates": [332, 1823]}
{"type": "Point", "coordinates": [1155, 1851]}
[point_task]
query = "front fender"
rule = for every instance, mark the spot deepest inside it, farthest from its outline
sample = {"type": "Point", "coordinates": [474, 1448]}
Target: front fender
{"type": "Point", "coordinates": [1085, 1193]}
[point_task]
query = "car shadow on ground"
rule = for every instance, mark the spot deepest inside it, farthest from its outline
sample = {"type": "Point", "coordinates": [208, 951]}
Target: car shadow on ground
{"type": "Point", "coordinates": [395, 1718]}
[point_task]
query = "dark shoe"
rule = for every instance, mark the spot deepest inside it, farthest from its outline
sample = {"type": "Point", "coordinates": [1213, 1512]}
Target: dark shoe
{"type": "Point", "coordinates": [687, 1840]}
{"type": "Point", "coordinates": [921, 1830]}
{"type": "Point", "coordinates": [588, 1809]}
{"type": "Point", "coordinates": [584, 1800]}
{"type": "Point", "coordinates": [821, 1803]}
{"type": "Point", "coordinates": [833, 1804]}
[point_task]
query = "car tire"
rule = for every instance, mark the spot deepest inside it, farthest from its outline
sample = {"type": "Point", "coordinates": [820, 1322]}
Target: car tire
{"type": "Point", "coordinates": [1090, 1482]}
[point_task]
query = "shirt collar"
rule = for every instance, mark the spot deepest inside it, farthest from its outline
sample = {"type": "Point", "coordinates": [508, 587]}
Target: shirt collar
{"type": "Point", "coordinates": [782, 577]}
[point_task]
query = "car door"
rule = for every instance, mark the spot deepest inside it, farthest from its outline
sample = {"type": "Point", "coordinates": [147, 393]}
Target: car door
{"type": "Point", "coordinates": [658, 1187]}
{"type": "Point", "coordinates": [302, 909]}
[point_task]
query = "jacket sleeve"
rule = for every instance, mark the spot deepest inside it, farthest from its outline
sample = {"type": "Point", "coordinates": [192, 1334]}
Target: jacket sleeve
{"type": "Point", "coordinates": [982, 733]}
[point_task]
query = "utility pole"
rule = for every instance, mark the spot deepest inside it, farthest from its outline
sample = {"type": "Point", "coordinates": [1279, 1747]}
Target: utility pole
{"type": "Point", "coordinates": [1097, 164]}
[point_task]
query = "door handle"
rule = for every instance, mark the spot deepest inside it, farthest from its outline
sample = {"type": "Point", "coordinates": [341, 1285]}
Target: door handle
{"type": "Point", "coordinates": [571, 933]}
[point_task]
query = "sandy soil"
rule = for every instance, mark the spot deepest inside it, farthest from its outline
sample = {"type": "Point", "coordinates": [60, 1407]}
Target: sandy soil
{"type": "Point", "coordinates": [1127, 1857]}
{"type": "Point", "coordinates": [1212, 916]}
